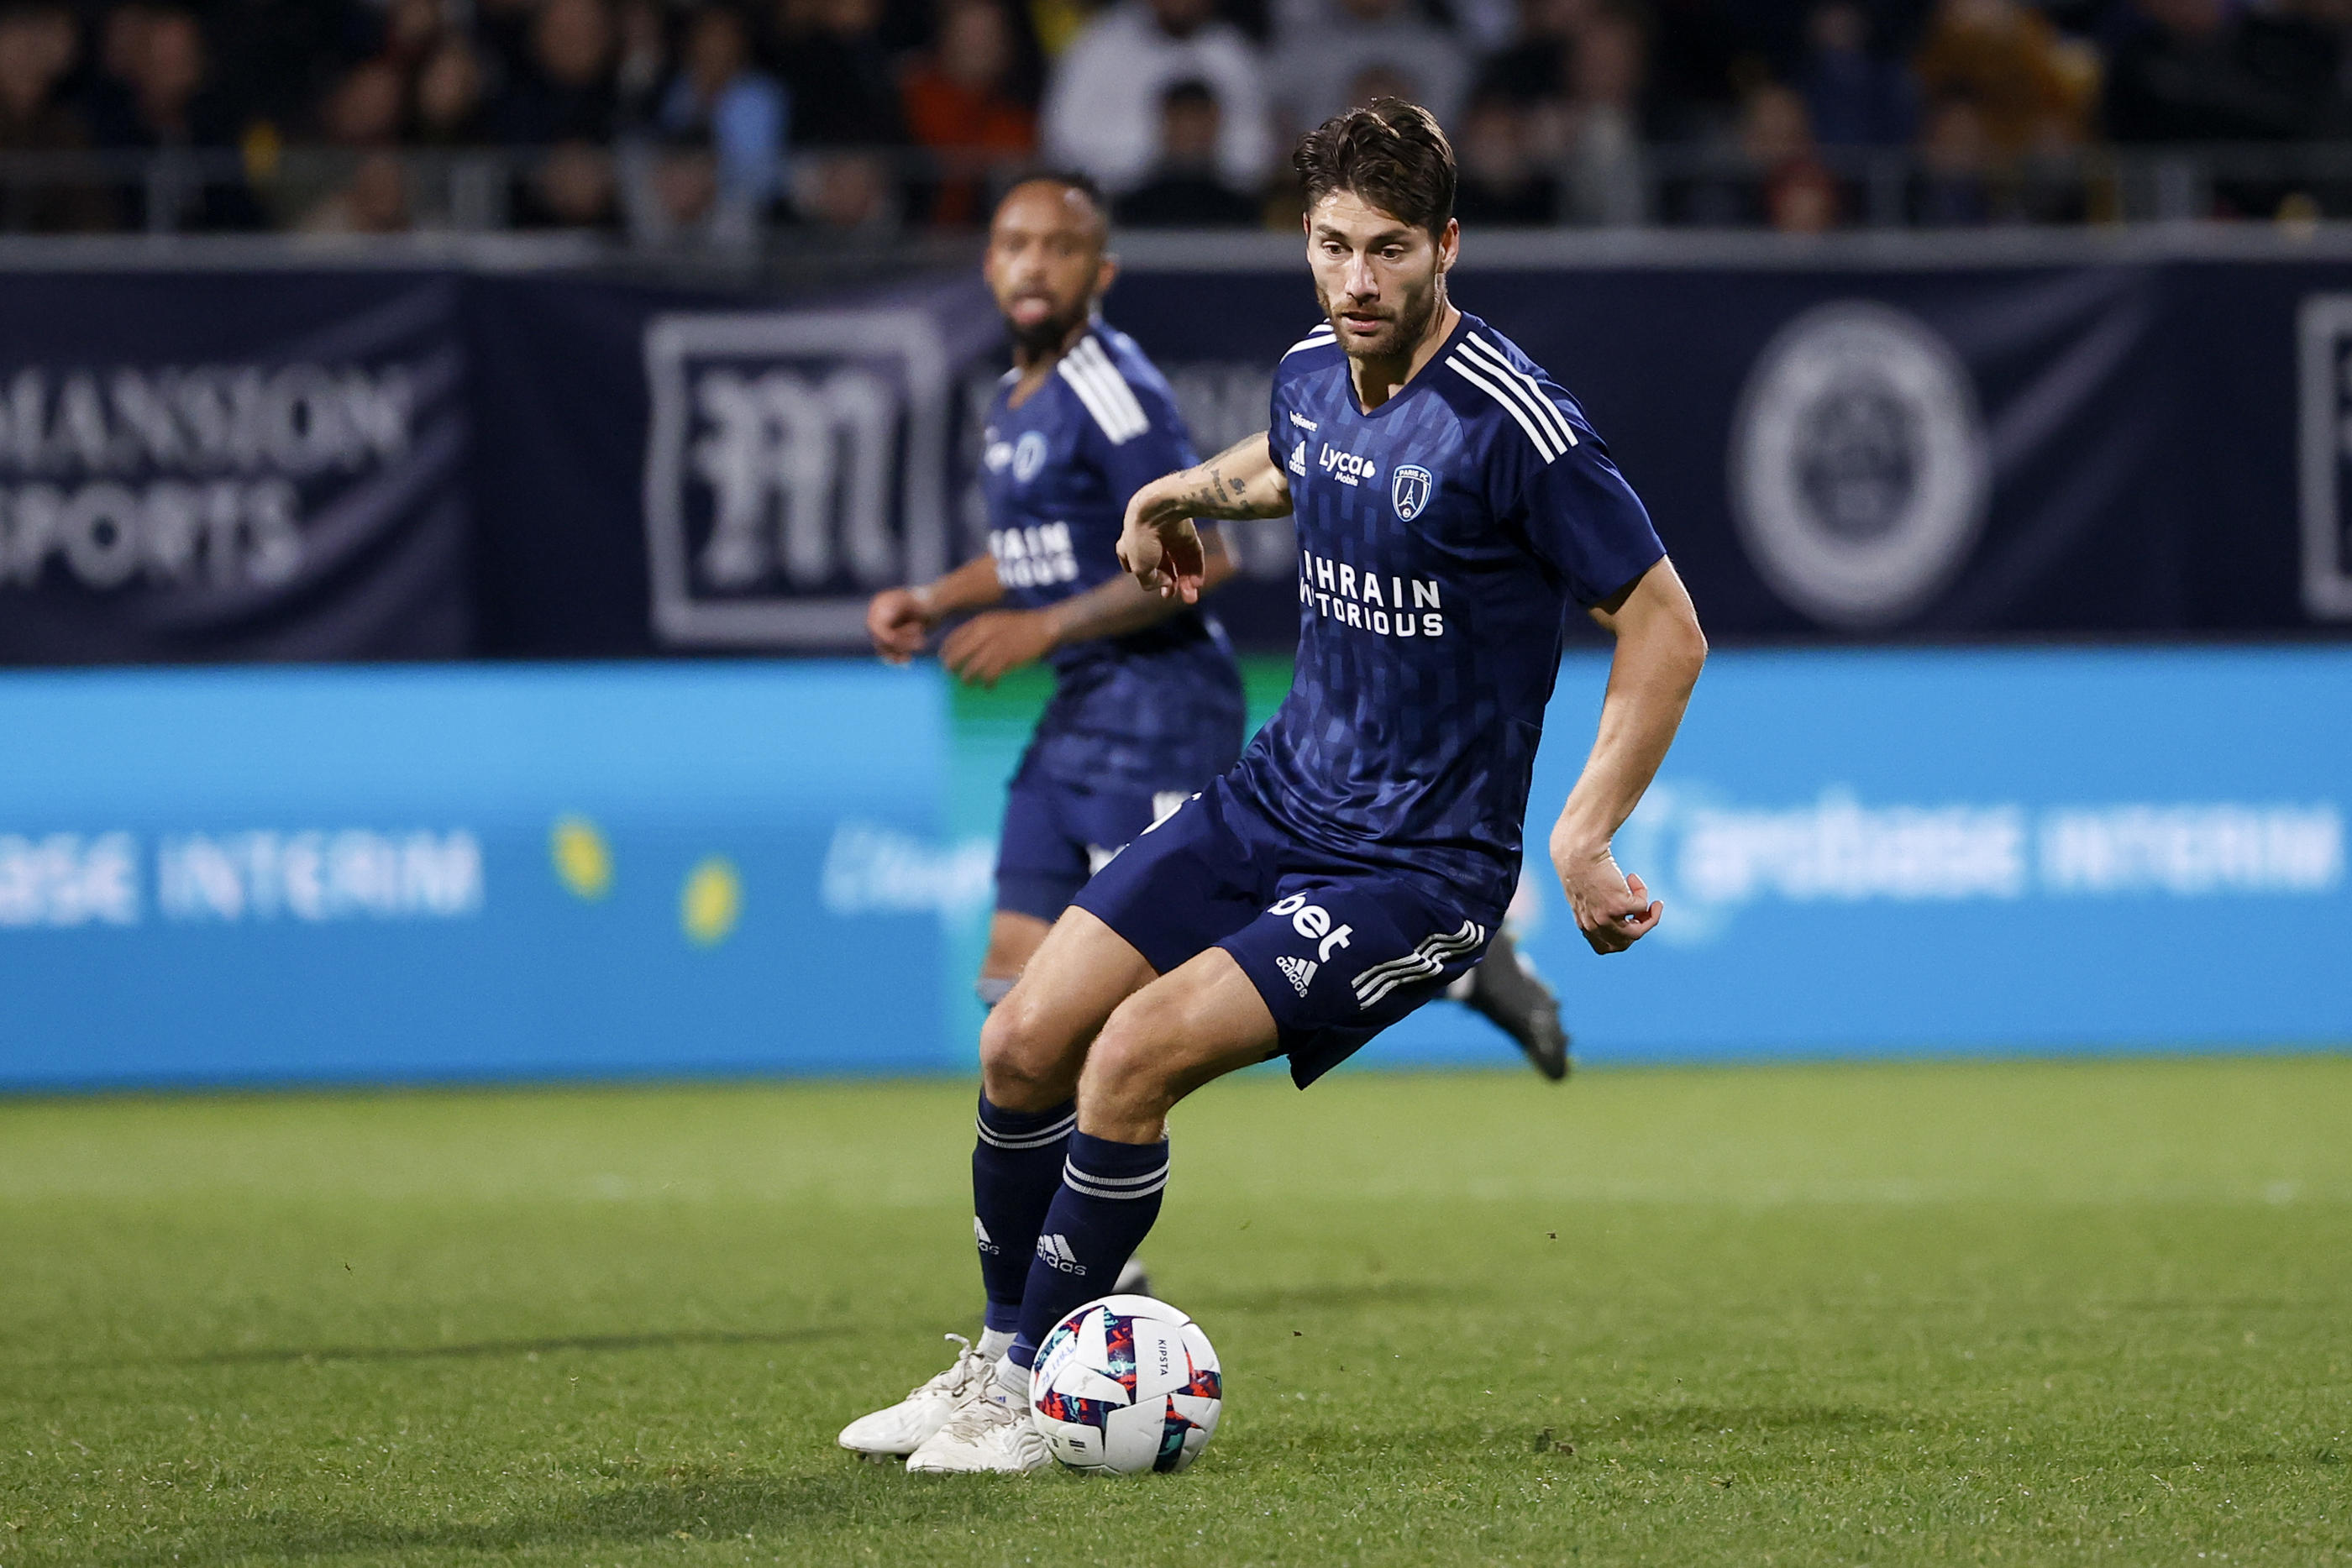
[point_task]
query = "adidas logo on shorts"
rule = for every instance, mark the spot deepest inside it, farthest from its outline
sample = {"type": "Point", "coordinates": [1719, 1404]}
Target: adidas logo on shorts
{"type": "Point", "coordinates": [1301, 971]}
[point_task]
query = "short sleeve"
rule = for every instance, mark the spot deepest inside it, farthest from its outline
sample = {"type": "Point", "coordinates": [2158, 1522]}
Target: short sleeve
{"type": "Point", "coordinates": [1580, 516]}
{"type": "Point", "coordinates": [1161, 447]}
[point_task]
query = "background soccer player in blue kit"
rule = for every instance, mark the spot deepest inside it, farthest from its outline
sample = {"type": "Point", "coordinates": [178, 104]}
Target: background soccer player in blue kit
{"type": "Point", "coordinates": [1452, 846]}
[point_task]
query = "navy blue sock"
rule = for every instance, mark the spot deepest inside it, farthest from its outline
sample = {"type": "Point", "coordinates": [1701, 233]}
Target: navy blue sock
{"type": "Point", "coordinates": [1016, 1169]}
{"type": "Point", "coordinates": [1109, 1197]}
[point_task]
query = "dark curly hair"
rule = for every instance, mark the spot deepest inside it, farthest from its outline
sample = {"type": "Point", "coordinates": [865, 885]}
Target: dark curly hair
{"type": "Point", "coordinates": [1391, 154]}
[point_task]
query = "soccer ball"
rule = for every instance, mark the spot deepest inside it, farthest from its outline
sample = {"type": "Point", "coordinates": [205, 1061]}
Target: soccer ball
{"type": "Point", "coordinates": [1125, 1383]}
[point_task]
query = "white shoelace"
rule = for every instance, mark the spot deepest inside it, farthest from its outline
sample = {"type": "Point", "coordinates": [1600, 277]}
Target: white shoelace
{"type": "Point", "coordinates": [968, 1365]}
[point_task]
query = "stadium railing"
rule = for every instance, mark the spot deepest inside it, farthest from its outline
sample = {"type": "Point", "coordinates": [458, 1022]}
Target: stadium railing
{"type": "Point", "coordinates": [488, 190]}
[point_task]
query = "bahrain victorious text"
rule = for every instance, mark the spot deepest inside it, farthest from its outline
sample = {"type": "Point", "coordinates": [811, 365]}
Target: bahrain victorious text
{"type": "Point", "coordinates": [1387, 606]}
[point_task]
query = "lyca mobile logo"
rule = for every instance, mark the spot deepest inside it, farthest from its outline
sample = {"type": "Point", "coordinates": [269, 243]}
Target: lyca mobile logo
{"type": "Point", "coordinates": [1346, 466]}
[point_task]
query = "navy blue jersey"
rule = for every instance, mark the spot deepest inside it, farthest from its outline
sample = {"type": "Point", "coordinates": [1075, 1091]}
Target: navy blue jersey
{"type": "Point", "coordinates": [1138, 711]}
{"type": "Point", "coordinates": [1444, 539]}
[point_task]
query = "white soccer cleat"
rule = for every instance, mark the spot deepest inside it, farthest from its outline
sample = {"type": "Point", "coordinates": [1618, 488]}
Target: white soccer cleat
{"type": "Point", "coordinates": [989, 1434]}
{"type": "Point", "coordinates": [904, 1426]}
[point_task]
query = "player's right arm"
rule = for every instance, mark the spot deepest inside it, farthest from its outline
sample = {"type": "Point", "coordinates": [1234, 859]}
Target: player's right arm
{"type": "Point", "coordinates": [1159, 544]}
{"type": "Point", "coordinates": [899, 619]}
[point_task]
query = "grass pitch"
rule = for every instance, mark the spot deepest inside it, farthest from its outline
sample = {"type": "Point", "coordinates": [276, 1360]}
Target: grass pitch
{"type": "Point", "coordinates": [2098, 1312]}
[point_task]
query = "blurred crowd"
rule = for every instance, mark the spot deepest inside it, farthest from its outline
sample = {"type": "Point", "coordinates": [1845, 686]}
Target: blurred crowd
{"type": "Point", "coordinates": [703, 122]}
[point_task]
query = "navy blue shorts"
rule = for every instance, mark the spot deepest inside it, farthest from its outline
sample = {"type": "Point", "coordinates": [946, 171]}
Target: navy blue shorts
{"type": "Point", "coordinates": [1057, 835]}
{"type": "Point", "coordinates": [1339, 949]}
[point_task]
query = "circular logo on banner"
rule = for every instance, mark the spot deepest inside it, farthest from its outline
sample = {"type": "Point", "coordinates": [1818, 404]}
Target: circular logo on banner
{"type": "Point", "coordinates": [1858, 472]}
{"type": "Point", "coordinates": [1028, 456]}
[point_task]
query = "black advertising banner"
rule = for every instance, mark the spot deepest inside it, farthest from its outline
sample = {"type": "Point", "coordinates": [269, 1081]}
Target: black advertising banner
{"type": "Point", "coordinates": [324, 464]}
{"type": "Point", "coordinates": [1928, 454]}
{"type": "Point", "coordinates": [213, 466]}
{"type": "Point", "coordinates": [666, 471]}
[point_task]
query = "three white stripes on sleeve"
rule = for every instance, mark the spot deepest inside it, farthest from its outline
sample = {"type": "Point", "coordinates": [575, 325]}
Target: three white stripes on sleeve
{"type": "Point", "coordinates": [1482, 364]}
{"type": "Point", "coordinates": [1104, 390]}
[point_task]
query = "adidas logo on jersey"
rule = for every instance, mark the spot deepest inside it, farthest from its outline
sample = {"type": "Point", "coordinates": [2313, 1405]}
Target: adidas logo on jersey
{"type": "Point", "coordinates": [1054, 1252]}
{"type": "Point", "coordinates": [1298, 459]}
{"type": "Point", "coordinates": [980, 1238]}
{"type": "Point", "coordinates": [1301, 971]}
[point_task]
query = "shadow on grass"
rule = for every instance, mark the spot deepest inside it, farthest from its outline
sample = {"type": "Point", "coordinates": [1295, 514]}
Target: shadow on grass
{"type": "Point", "coordinates": [686, 1502]}
{"type": "Point", "coordinates": [674, 1340]}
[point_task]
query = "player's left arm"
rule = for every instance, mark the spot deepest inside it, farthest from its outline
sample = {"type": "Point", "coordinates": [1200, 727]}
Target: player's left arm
{"type": "Point", "coordinates": [1660, 650]}
{"type": "Point", "coordinates": [984, 649]}
{"type": "Point", "coordinates": [1580, 515]}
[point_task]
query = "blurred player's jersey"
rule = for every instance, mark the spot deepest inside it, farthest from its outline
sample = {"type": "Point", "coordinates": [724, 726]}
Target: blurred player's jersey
{"type": "Point", "coordinates": [1443, 540]}
{"type": "Point", "coordinates": [1154, 710]}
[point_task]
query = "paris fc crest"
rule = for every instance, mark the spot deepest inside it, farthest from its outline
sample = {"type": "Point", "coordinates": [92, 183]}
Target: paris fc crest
{"type": "Point", "coordinates": [1409, 490]}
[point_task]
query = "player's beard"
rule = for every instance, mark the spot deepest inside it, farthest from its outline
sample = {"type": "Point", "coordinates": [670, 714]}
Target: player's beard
{"type": "Point", "coordinates": [1048, 333]}
{"type": "Point", "coordinates": [1406, 327]}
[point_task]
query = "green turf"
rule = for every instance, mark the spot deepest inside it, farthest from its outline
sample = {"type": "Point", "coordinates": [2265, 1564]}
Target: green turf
{"type": "Point", "coordinates": [1981, 1313]}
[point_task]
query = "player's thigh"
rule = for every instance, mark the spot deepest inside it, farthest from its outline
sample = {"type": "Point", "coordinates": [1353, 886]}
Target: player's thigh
{"type": "Point", "coordinates": [1014, 939]}
{"type": "Point", "coordinates": [1038, 1035]}
{"type": "Point", "coordinates": [1195, 1024]}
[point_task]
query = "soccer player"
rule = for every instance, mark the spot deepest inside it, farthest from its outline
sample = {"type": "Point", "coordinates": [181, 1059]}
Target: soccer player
{"type": "Point", "coordinates": [1454, 855]}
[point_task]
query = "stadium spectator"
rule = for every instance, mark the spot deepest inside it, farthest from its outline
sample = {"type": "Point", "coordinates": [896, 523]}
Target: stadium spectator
{"type": "Point", "coordinates": [959, 102]}
{"type": "Point", "coordinates": [670, 193]}
{"type": "Point", "coordinates": [1102, 108]}
{"type": "Point", "coordinates": [1952, 188]}
{"type": "Point", "coordinates": [845, 92]}
{"type": "Point", "coordinates": [1502, 185]}
{"type": "Point", "coordinates": [367, 107]}
{"type": "Point", "coordinates": [2304, 48]}
{"type": "Point", "coordinates": [274, 60]}
{"type": "Point", "coordinates": [1856, 99]}
{"type": "Point", "coordinates": [1535, 71]}
{"type": "Point", "coordinates": [412, 30]}
{"type": "Point", "coordinates": [743, 110]}
{"type": "Point", "coordinates": [2186, 76]}
{"type": "Point", "coordinates": [38, 48]}
{"type": "Point", "coordinates": [1774, 148]}
{"type": "Point", "coordinates": [503, 28]}
{"type": "Point", "coordinates": [845, 193]}
{"type": "Point", "coordinates": [1600, 125]}
{"type": "Point", "coordinates": [1317, 67]}
{"type": "Point", "coordinates": [564, 92]}
{"type": "Point", "coordinates": [2032, 87]}
{"type": "Point", "coordinates": [1184, 190]}
{"type": "Point", "coordinates": [168, 108]}
{"type": "Point", "coordinates": [449, 99]}
{"type": "Point", "coordinates": [642, 70]}
{"type": "Point", "coordinates": [374, 201]}
{"type": "Point", "coordinates": [572, 188]}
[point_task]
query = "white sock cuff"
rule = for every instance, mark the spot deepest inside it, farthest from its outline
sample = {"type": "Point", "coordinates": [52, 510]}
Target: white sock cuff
{"type": "Point", "coordinates": [994, 1343]}
{"type": "Point", "coordinates": [1013, 1382]}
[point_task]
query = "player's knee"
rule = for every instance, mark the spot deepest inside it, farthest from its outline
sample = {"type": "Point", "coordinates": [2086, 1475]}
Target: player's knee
{"type": "Point", "coordinates": [1022, 1066]}
{"type": "Point", "coordinates": [1130, 1071]}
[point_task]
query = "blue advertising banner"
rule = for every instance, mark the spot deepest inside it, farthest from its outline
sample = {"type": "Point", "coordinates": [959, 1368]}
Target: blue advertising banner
{"type": "Point", "coordinates": [1901, 853]}
{"type": "Point", "coordinates": [438, 873]}
{"type": "Point", "coordinates": [435, 873]}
